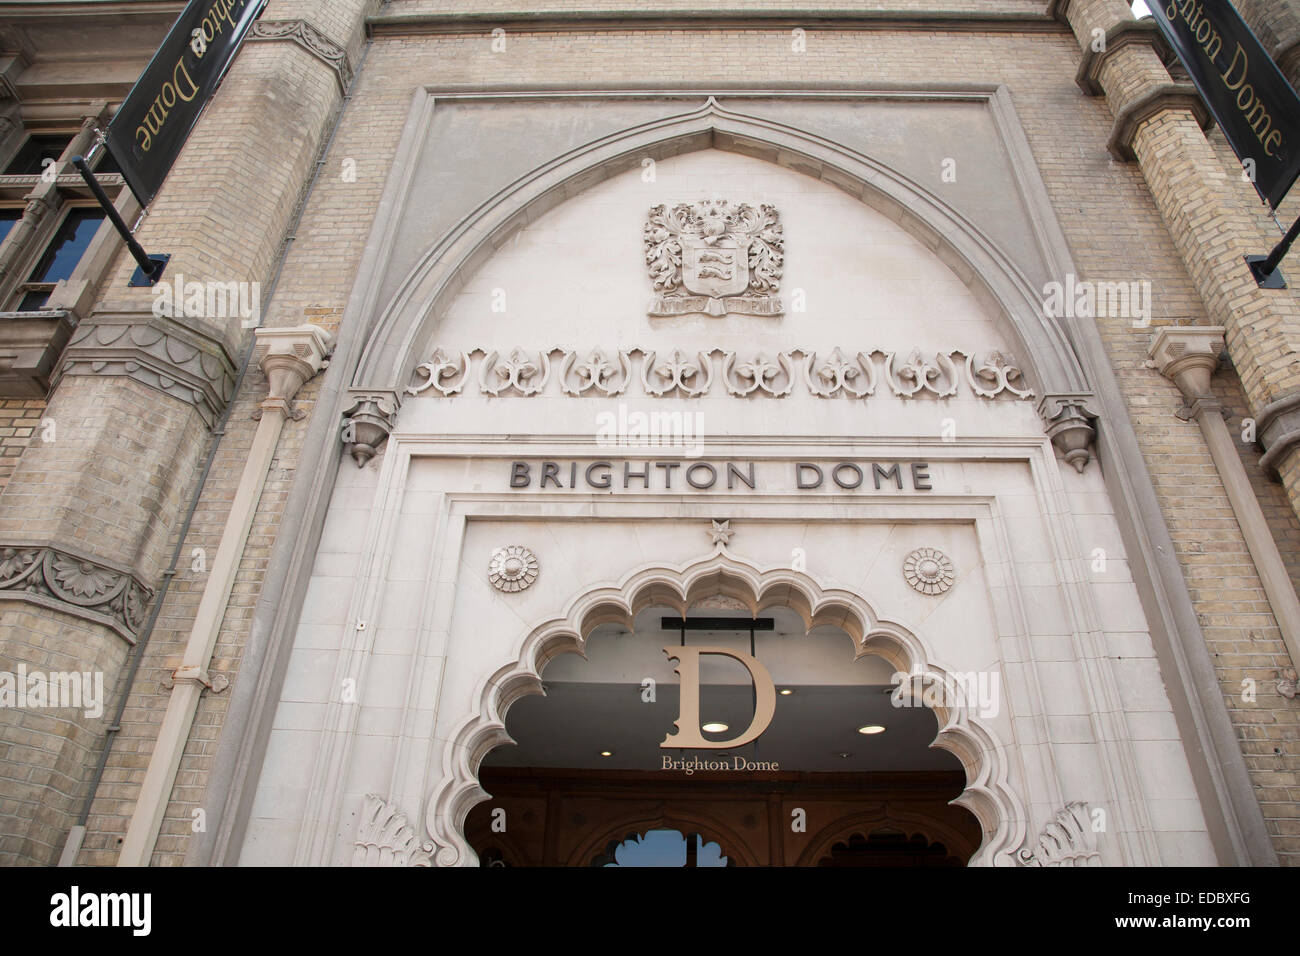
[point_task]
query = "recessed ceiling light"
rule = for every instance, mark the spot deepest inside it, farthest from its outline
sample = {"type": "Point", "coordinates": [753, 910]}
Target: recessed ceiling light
{"type": "Point", "coordinates": [715, 728]}
{"type": "Point", "coordinates": [787, 691]}
{"type": "Point", "coordinates": [871, 729]}
{"type": "Point", "coordinates": [607, 753]}
{"type": "Point", "coordinates": [844, 756]}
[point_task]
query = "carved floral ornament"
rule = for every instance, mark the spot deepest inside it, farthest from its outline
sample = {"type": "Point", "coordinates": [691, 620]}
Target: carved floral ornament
{"type": "Point", "coordinates": [513, 568]}
{"type": "Point", "coordinates": [691, 374]}
{"type": "Point", "coordinates": [929, 571]}
{"type": "Point", "coordinates": [76, 585]}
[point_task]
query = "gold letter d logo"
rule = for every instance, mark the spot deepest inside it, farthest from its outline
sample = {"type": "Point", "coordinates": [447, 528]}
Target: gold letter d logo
{"type": "Point", "coordinates": [688, 720]}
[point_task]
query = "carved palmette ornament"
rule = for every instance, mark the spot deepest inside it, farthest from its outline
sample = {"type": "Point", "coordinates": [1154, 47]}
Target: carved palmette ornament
{"type": "Point", "coordinates": [770, 376]}
{"type": "Point", "coordinates": [918, 374]}
{"type": "Point", "coordinates": [595, 371]}
{"type": "Point", "coordinates": [1068, 840]}
{"type": "Point", "coordinates": [513, 568]}
{"type": "Point", "coordinates": [386, 838]}
{"type": "Point", "coordinates": [995, 375]}
{"type": "Point", "coordinates": [714, 257]}
{"type": "Point", "coordinates": [522, 372]}
{"type": "Point", "coordinates": [677, 372]}
{"type": "Point", "coordinates": [445, 371]}
{"type": "Point", "coordinates": [837, 375]}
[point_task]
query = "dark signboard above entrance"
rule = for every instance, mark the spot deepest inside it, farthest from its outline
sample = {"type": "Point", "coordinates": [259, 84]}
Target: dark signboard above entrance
{"type": "Point", "coordinates": [151, 127]}
{"type": "Point", "coordinates": [1248, 95]}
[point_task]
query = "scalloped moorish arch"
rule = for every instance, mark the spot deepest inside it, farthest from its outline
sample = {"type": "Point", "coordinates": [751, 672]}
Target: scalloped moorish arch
{"type": "Point", "coordinates": [868, 822]}
{"type": "Point", "coordinates": [988, 795]}
{"type": "Point", "coordinates": [409, 321]}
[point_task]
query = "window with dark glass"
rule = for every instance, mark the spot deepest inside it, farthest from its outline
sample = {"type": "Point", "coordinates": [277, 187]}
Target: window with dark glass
{"type": "Point", "coordinates": [30, 160]}
{"type": "Point", "coordinates": [7, 219]}
{"type": "Point", "coordinates": [61, 257]}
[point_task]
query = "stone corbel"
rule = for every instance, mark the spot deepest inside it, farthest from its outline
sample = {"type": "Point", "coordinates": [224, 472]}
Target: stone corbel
{"type": "Point", "coordinates": [1068, 419]}
{"type": "Point", "coordinates": [1168, 96]}
{"type": "Point", "coordinates": [1125, 33]}
{"type": "Point", "coordinates": [368, 421]}
{"type": "Point", "coordinates": [1188, 355]}
{"type": "Point", "coordinates": [1278, 431]}
{"type": "Point", "coordinates": [289, 357]}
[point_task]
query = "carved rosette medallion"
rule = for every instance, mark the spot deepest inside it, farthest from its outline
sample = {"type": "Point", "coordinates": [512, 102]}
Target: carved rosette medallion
{"type": "Point", "coordinates": [928, 571]}
{"type": "Point", "coordinates": [513, 568]}
{"type": "Point", "coordinates": [714, 257]}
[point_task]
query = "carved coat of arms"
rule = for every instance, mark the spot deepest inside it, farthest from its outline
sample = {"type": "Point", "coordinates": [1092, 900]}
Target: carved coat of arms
{"type": "Point", "coordinates": [714, 257]}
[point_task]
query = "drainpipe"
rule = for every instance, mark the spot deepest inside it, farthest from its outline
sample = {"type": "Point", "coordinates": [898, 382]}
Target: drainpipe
{"type": "Point", "coordinates": [1189, 355]}
{"type": "Point", "coordinates": [289, 357]}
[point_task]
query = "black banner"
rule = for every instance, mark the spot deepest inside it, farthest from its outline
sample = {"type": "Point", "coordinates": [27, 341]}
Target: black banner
{"type": "Point", "coordinates": [153, 123]}
{"type": "Point", "coordinates": [1252, 101]}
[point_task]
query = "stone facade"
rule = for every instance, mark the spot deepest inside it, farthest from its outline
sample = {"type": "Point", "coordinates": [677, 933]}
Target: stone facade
{"type": "Point", "coordinates": [272, 765]}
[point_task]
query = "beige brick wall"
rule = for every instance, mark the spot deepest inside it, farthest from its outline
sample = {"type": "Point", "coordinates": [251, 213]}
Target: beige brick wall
{"type": "Point", "coordinates": [20, 420]}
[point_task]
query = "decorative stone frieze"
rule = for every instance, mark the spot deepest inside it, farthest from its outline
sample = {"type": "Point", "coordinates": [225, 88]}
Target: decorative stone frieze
{"type": "Point", "coordinates": [774, 376]}
{"type": "Point", "coordinates": [691, 374]}
{"type": "Point", "coordinates": [386, 838]}
{"type": "Point", "coordinates": [714, 257]}
{"type": "Point", "coordinates": [837, 375]}
{"type": "Point", "coordinates": [310, 39]}
{"type": "Point", "coordinates": [524, 373]}
{"type": "Point", "coordinates": [1068, 840]}
{"type": "Point", "coordinates": [178, 362]}
{"type": "Point", "coordinates": [368, 421]}
{"type": "Point", "coordinates": [75, 584]}
{"type": "Point", "coordinates": [597, 370]}
{"type": "Point", "coordinates": [446, 372]}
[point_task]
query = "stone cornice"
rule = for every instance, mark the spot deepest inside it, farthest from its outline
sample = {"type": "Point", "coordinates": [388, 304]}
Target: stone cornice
{"type": "Point", "coordinates": [310, 39]}
{"type": "Point", "coordinates": [393, 25]}
{"type": "Point", "coordinates": [1125, 33]}
{"type": "Point", "coordinates": [158, 352]}
{"type": "Point", "coordinates": [1169, 96]}
{"type": "Point", "coordinates": [76, 584]}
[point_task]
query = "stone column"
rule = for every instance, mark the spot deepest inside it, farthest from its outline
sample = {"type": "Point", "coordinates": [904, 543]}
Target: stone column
{"type": "Point", "coordinates": [1188, 355]}
{"type": "Point", "coordinates": [1160, 124]}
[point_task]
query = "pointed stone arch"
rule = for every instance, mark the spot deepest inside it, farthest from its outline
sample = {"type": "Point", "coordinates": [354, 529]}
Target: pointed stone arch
{"type": "Point", "coordinates": [409, 321]}
{"type": "Point", "coordinates": [1001, 812]}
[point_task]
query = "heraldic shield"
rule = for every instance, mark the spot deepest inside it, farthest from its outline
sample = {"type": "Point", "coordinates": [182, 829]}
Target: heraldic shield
{"type": "Point", "coordinates": [714, 257]}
